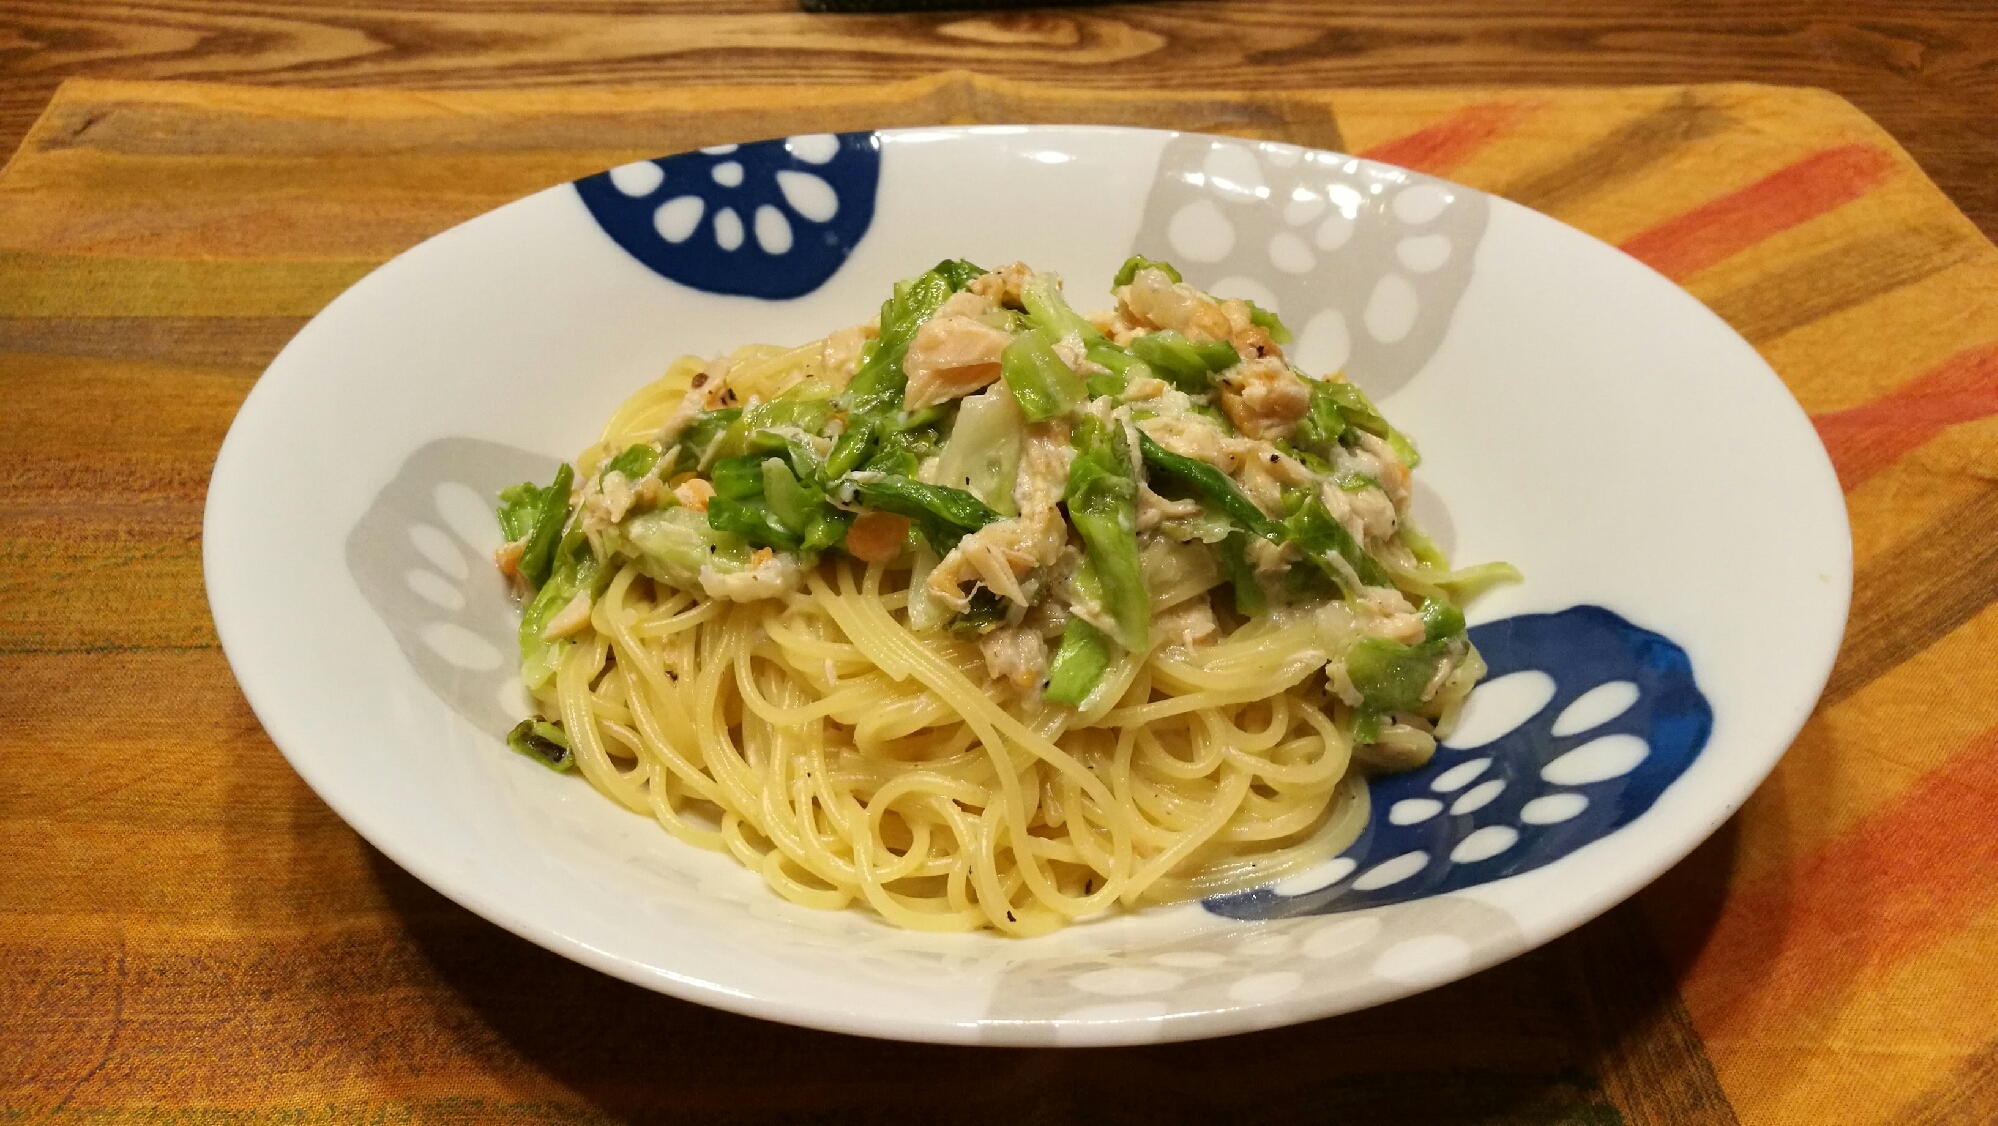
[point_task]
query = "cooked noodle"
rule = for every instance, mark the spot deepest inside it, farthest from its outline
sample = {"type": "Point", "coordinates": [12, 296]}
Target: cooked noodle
{"type": "Point", "coordinates": [846, 759]}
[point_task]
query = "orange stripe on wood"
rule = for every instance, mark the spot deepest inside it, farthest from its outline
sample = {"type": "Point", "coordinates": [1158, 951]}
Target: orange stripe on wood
{"type": "Point", "coordinates": [1892, 886]}
{"type": "Point", "coordinates": [1440, 148]}
{"type": "Point", "coordinates": [1865, 439]}
{"type": "Point", "coordinates": [1683, 246]}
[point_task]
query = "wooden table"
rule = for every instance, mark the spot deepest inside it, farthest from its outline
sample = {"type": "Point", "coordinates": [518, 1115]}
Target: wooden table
{"type": "Point", "coordinates": [320, 982]}
{"type": "Point", "coordinates": [1922, 68]}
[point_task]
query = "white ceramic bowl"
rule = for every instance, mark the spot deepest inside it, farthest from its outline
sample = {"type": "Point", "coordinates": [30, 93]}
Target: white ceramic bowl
{"type": "Point", "coordinates": [1684, 540]}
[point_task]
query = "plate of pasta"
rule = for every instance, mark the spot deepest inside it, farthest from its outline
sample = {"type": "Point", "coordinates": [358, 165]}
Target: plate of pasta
{"type": "Point", "coordinates": [1026, 585]}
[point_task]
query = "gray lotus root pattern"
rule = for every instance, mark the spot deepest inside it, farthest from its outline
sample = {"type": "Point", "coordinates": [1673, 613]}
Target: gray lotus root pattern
{"type": "Point", "coordinates": [1361, 958]}
{"type": "Point", "coordinates": [422, 556]}
{"type": "Point", "coordinates": [1365, 263]}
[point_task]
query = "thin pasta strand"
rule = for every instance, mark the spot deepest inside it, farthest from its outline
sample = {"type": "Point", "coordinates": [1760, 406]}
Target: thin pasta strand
{"type": "Point", "coordinates": [849, 761]}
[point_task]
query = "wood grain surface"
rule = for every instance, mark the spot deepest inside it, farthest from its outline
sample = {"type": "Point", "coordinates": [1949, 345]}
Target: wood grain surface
{"type": "Point", "coordinates": [1927, 70]}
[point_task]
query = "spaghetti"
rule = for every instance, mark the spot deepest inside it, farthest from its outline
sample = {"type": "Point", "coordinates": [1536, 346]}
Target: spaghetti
{"type": "Point", "coordinates": [988, 615]}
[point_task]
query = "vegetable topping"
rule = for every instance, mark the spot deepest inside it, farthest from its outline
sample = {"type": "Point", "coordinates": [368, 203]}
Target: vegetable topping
{"type": "Point", "coordinates": [1053, 481]}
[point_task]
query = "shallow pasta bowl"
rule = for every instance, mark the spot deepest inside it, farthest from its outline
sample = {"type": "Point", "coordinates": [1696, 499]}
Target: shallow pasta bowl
{"type": "Point", "coordinates": [1683, 538]}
